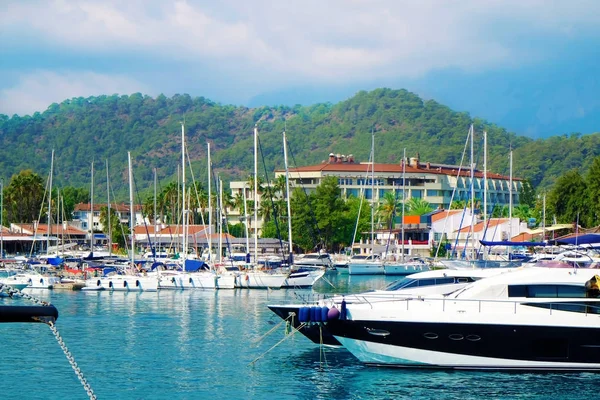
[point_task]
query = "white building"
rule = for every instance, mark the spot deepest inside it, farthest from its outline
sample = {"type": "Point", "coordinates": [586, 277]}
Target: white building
{"type": "Point", "coordinates": [438, 184]}
{"type": "Point", "coordinates": [83, 218]}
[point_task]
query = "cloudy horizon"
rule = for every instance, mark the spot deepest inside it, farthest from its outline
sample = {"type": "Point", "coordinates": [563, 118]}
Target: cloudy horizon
{"type": "Point", "coordinates": [527, 65]}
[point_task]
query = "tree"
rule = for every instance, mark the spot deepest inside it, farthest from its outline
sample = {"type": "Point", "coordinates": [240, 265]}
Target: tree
{"type": "Point", "coordinates": [567, 198]}
{"type": "Point", "coordinates": [119, 232]}
{"type": "Point", "coordinates": [593, 192]}
{"type": "Point", "coordinates": [329, 211]}
{"type": "Point", "coordinates": [388, 208]}
{"type": "Point", "coordinates": [23, 197]}
{"type": "Point", "coordinates": [527, 194]}
{"type": "Point", "coordinates": [523, 212]}
{"type": "Point", "coordinates": [458, 205]}
{"type": "Point", "coordinates": [416, 206]}
{"type": "Point", "coordinates": [71, 196]}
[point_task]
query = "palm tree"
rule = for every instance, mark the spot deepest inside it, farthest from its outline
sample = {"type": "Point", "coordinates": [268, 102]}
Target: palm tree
{"type": "Point", "coordinates": [458, 205]}
{"type": "Point", "coordinates": [388, 208]}
{"type": "Point", "coordinates": [523, 212]}
{"type": "Point", "coordinates": [416, 206]}
{"type": "Point", "coordinates": [168, 199]}
{"type": "Point", "coordinates": [23, 197]}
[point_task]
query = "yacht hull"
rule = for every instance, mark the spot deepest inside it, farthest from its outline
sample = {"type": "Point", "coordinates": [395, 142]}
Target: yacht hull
{"type": "Point", "coordinates": [303, 278]}
{"type": "Point", "coordinates": [199, 280]}
{"type": "Point", "coordinates": [259, 280]}
{"type": "Point", "coordinates": [123, 283]}
{"type": "Point", "coordinates": [317, 333]}
{"type": "Point", "coordinates": [470, 346]}
{"type": "Point", "coordinates": [365, 269]}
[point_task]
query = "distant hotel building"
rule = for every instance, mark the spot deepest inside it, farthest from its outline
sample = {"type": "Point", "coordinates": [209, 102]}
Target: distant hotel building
{"type": "Point", "coordinates": [431, 182]}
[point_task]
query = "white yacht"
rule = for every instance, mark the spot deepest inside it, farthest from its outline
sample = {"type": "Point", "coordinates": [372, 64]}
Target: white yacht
{"type": "Point", "coordinates": [530, 318]}
{"type": "Point", "coordinates": [434, 282]}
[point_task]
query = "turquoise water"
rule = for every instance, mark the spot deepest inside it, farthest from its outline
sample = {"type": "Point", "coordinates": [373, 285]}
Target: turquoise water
{"type": "Point", "coordinates": [201, 344]}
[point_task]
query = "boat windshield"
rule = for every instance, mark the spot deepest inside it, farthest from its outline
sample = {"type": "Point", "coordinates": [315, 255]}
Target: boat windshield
{"type": "Point", "coordinates": [411, 282]}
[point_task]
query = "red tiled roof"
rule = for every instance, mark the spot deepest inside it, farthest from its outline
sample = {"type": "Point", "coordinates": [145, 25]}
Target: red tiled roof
{"type": "Point", "coordinates": [442, 214]}
{"type": "Point", "coordinates": [42, 229]}
{"type": "Point", "coordinates": [481, 226]}
{"type": "Point", "coordinates": [395, 168]}
{"type": "Point", "coordinates": [169, 229]}
{"type": "Point", "coordinates": [122, 207]}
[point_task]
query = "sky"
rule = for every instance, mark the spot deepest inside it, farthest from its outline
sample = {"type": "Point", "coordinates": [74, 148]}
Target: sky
{"type": "Point", "coordinates": [530, 66]}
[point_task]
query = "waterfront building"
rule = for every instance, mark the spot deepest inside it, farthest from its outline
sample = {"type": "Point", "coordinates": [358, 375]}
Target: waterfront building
{"type": "Point", "coordinates": [85, 219]}
{"type": "Point", "coordinates": [438, 184]}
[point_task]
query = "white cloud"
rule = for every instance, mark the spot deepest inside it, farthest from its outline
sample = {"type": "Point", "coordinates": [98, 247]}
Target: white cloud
{"type": "Point", "coordinates": [334, 41]}
{"type": "Point", "coordinates": [37, 90]}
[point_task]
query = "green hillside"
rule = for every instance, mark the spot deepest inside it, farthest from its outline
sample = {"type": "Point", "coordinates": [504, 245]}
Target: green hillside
{"type": "Point", "coordinates": [82, 130]}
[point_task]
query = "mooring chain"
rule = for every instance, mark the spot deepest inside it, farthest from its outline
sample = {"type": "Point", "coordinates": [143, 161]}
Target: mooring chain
{"type": "Point", "coordinates": [12, 292]}
{"type": "Point", "coordinates": [50, 322]}
{"type": "Point", "coordinates": [78, 372]}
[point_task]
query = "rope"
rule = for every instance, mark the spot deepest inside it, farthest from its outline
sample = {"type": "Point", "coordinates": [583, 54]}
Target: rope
{"type": "Point", "coordinates": [260, 339]}
{"type": "Point", "coordinates": [302, 325]}
{"type": "Point", "coordinates": [322, 349]}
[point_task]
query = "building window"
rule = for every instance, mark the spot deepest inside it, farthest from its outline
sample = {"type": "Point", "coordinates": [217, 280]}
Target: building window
{"type": "Point", "coordinates": [417, 194]}
{"type": "Point", "coordinates": [432, 193]}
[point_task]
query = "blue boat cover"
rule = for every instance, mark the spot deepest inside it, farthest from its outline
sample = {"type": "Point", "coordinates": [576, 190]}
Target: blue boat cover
{"type": "Point", "coordinates": [55, 260]}
{"type": "Point", "coordinates": [589, 238]}
{"type": "Point", "coordinates": [193, 265]}
{"type": "Point", "coordinates": [507, 243]}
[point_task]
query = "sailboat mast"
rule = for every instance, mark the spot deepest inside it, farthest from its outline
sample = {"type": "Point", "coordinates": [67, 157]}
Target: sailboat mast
{"type": "Point", "coordinates": [92, 213]}
{"type": "Point", "coordinates": [50, 203]}
{"type": "Point", "coordinates": [221, 214]}
{"type": "Point", "coordinates": [484, 178]}
{"type": "Point", "coordinates": [131, 211]}
{"type": "Point", "coordinates": [255, 193]}
{"type": "Point", "coordinates": [108, 211]}
{"type": "Point", "coordinates": [58, 217]}
{"type": "Point", "coordinates": [246, 223]}
{"type": "Point", "coordinates": [510, 201]}
{"type": "Point", "coordinates": [403, 197]}
{"type": "Point", "coordinates": [472, 196]}
{"type": "Point", "coordinates": [209, 204]}
{"type": "Point", "coordinates": [183, 198]}
{"type": "Point", "coordinates": [372, 193]}
{"type": "Point", "coordinates": [155, 214]}
{"type": "Point", "coordinates": [287, 193]}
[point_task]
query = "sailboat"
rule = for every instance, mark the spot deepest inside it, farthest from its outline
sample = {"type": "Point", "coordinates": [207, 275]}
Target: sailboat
{"type": "Point", "coordinates": [251, 276]}
{"type": "Point", "coordinates": [404, 266]}
{"type": "Point", "coordinates": [300, 276]}
{"type": "Point", "coordinates": [125, 277]}
{"type": "Point", "coordinates": [190, 277]}
{"type": "Point", "coordinates": [369, 264]}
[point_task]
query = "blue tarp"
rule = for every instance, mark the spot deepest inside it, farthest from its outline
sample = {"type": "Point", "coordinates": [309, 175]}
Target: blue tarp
{"type": "Point", "coordinates": [507, 243]}
{"type": "Point", "coordinates": [193, 265]}
{"type": "Point", "coordinates": [55, 260]}
{"type": "Point", "coordinates": [589, 238]}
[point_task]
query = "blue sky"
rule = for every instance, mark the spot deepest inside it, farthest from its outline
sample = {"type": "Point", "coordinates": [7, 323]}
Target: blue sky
{"type": "Point", "coordinates": [529, 65]}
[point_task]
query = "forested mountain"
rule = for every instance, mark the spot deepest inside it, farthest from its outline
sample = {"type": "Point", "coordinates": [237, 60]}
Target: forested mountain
{"type": "Point", "coordinates": [82, 130]}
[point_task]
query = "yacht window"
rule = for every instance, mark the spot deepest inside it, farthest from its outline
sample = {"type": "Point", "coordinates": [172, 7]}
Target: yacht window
{"type": "Point", "coordinates": [443, 281]}
{"type": "Point", "coordinates": [551, 291]}
{"type": "Point", "coordinates": [403, 283]}
{"type": "Point", "coordinates": [464, 280]}
{"type": "Point", "coordinates": [426, 282]}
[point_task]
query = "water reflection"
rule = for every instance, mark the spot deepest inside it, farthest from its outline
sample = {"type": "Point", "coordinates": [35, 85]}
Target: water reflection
{"type": "Point", "coordinates": [201, 344]}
